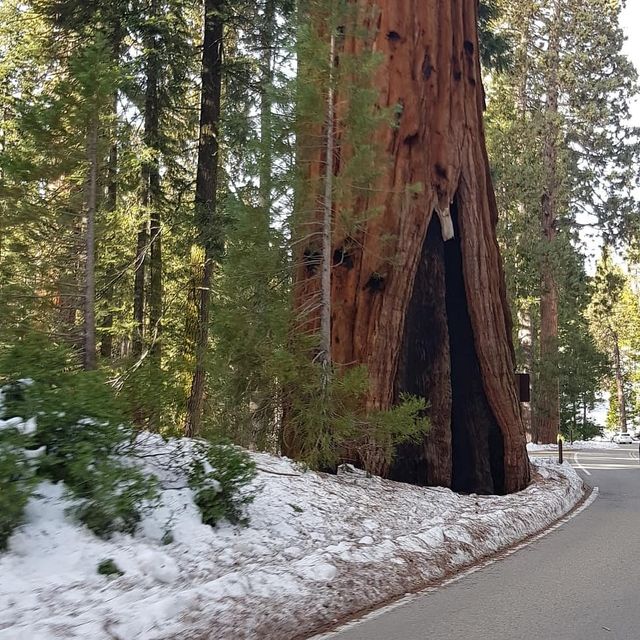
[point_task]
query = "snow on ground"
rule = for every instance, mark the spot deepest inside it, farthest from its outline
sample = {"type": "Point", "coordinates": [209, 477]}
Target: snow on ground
{"type": "Point", "coordinates": [318, 548]}
{"type": "Point", "coordinates": [577, 444]}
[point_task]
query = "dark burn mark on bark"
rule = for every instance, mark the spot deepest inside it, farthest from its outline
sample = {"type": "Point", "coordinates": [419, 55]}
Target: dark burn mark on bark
{"type": "Point", "coordinates": [375, 282]}
{"type": "Point", "coordinates": [342, 258]}
{"type": "Point", "coordinates": [468, 47]}
{"type": "Point", "coordinates": [464, 448]}
{"type": "Point", "coordinates": [457, 76]}
{"type": "Point", "coordinates": [476, 440]}
{"type": "Point", "coordinates": [424, 370]}
{"type": "Point", "coordinates": [312, 259]}
{"type": "Point", "coordinates": [427, 67]}
{"type": "Point", "coordinates": [411, 139]}
{"type": "Point", "coordinates": [441, 172]}
{"type": "Point", "coordinates": [393, 36]}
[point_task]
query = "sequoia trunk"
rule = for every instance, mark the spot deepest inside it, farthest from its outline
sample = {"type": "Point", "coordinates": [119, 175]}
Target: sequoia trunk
{"type": "Point", "coordinates": [417, 285]}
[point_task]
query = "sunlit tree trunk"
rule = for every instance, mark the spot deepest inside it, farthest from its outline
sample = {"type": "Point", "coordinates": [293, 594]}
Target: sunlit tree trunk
{"type": "Point", "coordinates": [111, 201]}
{"type": "Point", "coordinates": [210, 229]}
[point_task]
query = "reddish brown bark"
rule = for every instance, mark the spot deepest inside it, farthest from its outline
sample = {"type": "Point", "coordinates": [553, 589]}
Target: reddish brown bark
{"type": "Point", "coordinates": [447, 299]}
{"type": "Point", "coordinates": [547, 406]}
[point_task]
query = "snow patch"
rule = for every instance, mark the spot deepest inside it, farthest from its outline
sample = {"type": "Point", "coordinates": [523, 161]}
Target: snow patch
{"type": "Point", "coordinates": [318, 548]}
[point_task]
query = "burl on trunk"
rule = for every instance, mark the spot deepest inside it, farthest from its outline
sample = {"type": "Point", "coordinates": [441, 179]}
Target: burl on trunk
{"type": "Point", "coordinates": [417, 290]}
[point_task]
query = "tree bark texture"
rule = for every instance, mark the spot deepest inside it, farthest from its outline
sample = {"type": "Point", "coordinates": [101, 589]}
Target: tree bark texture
{"type": "Point", "coordinates": [207, 219]}
{"type": "Point", "coordinates": [266, 106]}
{"type": "Point", "coordinates": [426, 313]}
{"type": "Point", "coordinates": [111, 203]}
{"type": "Point", "coordinates": [547, 407]}
{"type": "Point", "coordinates": [152, 134]}
{"type": "Point", "coordinates": [137, 341]}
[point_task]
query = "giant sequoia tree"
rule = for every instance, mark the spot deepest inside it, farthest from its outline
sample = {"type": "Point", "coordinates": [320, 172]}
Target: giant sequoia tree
{"type": "Point", "coordinates": [417, 288]}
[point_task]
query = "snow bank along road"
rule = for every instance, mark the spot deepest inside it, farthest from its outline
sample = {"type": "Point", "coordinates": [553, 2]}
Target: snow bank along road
{"type": "Point", "coordinates": [581, 582]}
{"type": "Point", "coordinates": [317, 550]}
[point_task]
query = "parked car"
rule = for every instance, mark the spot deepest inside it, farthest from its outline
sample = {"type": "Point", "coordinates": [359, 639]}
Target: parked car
{"type": "Point", "coordinates": [623, 438]}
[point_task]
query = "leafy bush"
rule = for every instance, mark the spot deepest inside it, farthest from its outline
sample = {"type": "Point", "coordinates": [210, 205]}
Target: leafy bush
{"type": "Point", "coordinates": [80, 425]}
{"type": "Point", "coordinates": [327, 417]}
{"type": "Point", "coordinates": [109, 568]}
{"type": "Point", "coordinates": [16, 484]}
{"type": "Point", "coordinates": [112, 498]}
{"type": "Point", "coordinates": [17, 477]}
{"type": "Point", "coordinates": [218, 478]}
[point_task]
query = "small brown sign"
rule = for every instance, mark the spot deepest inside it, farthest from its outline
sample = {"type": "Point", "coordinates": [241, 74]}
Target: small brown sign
{"type": "Point", "coordinates": [524, 386]}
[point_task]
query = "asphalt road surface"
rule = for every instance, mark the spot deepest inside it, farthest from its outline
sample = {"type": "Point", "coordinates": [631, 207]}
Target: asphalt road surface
{"type": "Point", "coordinates": [580, 582]}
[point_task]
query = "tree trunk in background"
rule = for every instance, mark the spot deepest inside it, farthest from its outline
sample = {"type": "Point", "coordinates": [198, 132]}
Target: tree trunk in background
{"type": "Point", "coordinates": [111, 203]}
{"type": "Point", "coordinates": [622, 402]}
{"type": "Point", "coordinates": [152, 138]}
{"type": "Point", "coordinates": [266, 117]}
{"type": "Point", "coordinates": [263, 415]}
{"type": "Point", "coordinates": [547, 407]}
{"type": "Point", "coordinates": [89, 329]}
{"type": "Point", "coordinates": [207, 219]}
{"type": "Point", "coordinates": [418, 293]}
{"type": "Point", "coordinates": [327, 222]}
{"type": "Point", "coordinates": [137, 341]}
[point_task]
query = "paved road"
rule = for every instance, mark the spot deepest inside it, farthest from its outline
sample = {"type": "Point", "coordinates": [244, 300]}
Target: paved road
{"type": "Point", "coordinates": [581, 582]}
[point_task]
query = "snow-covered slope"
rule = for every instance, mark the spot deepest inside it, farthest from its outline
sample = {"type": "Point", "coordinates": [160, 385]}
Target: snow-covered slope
{"type": "Point", "coordinates": [318, 548]}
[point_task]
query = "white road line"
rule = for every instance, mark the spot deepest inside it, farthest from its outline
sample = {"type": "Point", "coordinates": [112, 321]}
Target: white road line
{"type": "Point", "coordinates": [575, 458]}
{"type": "Point", "coordinates": [496, 558]}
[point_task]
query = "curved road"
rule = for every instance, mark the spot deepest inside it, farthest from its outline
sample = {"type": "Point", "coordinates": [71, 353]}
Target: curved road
{"type": "Point", "coordinates": [581, 582]}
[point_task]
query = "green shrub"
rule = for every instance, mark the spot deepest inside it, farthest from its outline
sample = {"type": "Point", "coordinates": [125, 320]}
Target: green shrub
{"type": "Point", "coordinates": [328, 417]}
{"type": "Point", "coordinates": [112, 498]}
{"type": "Point", "coordinates": [82, 428]}
{"type": "Point", "coordinates": [16, 485]}
{"type": "Point", "coordinates": [109, 568]}
{"type": "Point", "coordinates": [17, 477]}
{"type": "Point", "coordinates": [218, 478]}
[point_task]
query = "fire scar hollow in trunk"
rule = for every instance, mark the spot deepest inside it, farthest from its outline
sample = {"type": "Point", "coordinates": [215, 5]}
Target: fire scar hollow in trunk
{"type": "Point", "coordinates": [417, 291]}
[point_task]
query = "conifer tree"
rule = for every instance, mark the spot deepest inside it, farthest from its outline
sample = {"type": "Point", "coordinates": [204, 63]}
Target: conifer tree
{"type": "Point", "coordinates": [615, 321]}
{"type": "Point", "coordinates": [561, 150]}
{"type": "Point", "coordinates": [404, 238]}
{"type": "Point", "coordinates": [208, 219]}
